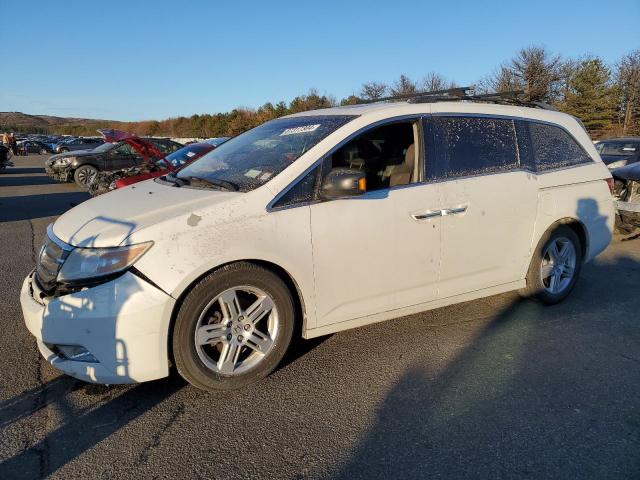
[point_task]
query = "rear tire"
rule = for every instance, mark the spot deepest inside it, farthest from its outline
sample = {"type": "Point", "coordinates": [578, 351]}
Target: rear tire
{"type": "Point", "coordinates": [555, 266]}
{"type": "Point", "coordinates": [84, 175]}
{"type": "Point", "coordinates": [233, 328]}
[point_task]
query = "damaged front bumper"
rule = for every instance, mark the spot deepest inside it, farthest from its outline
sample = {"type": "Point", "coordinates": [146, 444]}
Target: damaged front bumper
{"type": "Point", "coordinates": [112, 333]}
{"type": "Point", "coordinates": [59, 174]}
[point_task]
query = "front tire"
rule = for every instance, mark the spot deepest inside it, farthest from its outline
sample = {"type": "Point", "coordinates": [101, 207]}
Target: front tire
{"type": "Point", "coordinates": [233, 328]}
{"type": "Point", "coordinates": [555, 266]}
{"type": "Point", "coordinates": [84, 175]}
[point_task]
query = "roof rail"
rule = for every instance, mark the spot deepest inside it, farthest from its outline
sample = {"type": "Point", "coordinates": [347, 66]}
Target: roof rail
{"type": "Point", "coordinates": [467, 94]}
{"type": "Point", "coordinates": [456, 91]}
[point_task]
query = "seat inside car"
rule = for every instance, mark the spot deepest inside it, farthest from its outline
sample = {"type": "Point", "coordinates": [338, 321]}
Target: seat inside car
{"type": "Point", "coordinates": [402, 174]}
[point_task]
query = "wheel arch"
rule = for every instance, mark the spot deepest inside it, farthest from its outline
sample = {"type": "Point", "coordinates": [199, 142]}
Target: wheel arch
{"type": "Point", "coordinates": [578, 227]}
{"type": "Point", "coordinates": [283, 274]}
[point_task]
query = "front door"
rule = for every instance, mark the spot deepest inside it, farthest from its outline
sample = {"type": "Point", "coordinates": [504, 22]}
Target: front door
{"type": "Point", "coordinates": [380, 251]}
{"type": "Point", "coordinates": [120, 157]}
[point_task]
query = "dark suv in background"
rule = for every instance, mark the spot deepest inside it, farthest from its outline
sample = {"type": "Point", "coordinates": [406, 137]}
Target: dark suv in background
{"type": "Point", "coordinates": [618, 152]}
{"type": "Point", "coordinates": [82, 166]}
{"type": "Point", "coordinates": [74, 144]}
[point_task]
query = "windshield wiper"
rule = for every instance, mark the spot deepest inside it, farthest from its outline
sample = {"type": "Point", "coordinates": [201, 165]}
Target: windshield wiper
{"type": "Point", "coordinates": [178, 182]}
{"type": "Point", "coordinates": [224, 184]}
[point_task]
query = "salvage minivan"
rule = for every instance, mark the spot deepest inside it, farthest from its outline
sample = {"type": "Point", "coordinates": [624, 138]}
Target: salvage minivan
{"type": "Point", "coordinates": [312, 224]}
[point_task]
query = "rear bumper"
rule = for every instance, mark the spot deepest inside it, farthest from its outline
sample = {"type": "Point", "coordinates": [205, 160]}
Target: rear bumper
{"type": "Point", "coordinates": [123, 324]}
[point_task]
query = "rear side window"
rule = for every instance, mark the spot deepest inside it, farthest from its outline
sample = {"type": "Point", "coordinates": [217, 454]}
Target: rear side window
{"type": "Point", "coordinates": [547, 147]}
{"type": "Point", "coordinates": [459, 146]}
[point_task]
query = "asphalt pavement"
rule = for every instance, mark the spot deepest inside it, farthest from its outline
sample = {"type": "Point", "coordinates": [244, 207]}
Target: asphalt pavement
{"type": "Point", "coordinates": [496, 388]}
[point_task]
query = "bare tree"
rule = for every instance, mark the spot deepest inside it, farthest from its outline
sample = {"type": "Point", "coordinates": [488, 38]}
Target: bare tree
{"type": "Point", "coordinates": [533, 70]}
{"type": "Point", "coordinates": [433, 81]}
{"type": "Point", "coordinates": [373, 90]}
{"type": "Point", "coordinates": [538, 72]}
{"type": "Point", "coordinates": [502, 80]}
{"type": "Point", "coordinates": [627, 76]}
{"type": "Point", "coordinates": [403, 86]}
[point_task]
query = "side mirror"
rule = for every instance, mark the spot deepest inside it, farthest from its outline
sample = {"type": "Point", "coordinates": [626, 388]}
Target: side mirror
{"type": "Point", "coordinates": [343, 183]}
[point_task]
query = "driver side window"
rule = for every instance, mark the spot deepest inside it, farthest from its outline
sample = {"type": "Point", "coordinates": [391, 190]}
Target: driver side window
{"type": "Point", "coordinates": [386, 155]}
{"type": "Point", "coordinates": [124, 149]}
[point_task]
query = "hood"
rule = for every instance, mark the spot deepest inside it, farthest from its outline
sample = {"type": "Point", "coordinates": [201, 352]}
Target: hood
{"type": "Point", "coordinates": [629, 172]}
{"type": "Point", "coordinates": [76, 153]}
{"type": "Point", "coordinates": [107, 220]}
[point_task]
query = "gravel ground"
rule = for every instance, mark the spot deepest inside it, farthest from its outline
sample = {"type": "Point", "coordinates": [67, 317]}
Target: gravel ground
{"type": "Point", "coordinates": [495, 388]}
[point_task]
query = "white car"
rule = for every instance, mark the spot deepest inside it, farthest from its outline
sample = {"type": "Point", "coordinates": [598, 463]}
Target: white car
{"type": "Point", "coordinates": [315, 223]}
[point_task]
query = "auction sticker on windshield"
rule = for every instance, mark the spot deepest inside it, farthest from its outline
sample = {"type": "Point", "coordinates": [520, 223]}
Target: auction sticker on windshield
{"type": "Point", "coordinates": [297, 130]}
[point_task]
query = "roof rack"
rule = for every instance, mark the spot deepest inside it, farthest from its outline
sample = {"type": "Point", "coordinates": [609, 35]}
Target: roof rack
{"type": "Point", "coordinates": [467, 94]}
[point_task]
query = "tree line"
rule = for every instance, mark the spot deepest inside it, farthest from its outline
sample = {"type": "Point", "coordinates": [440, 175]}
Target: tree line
{"type": "Point", "coordinates": [606, 98]}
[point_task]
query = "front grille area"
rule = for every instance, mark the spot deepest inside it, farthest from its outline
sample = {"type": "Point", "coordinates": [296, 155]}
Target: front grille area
{"type": "Point", "coordinates": [51, 257]}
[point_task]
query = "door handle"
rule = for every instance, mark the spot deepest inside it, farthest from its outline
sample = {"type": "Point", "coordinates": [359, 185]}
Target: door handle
{"type": "Point", "coordinates": [427, 214]}
{"type": "Point", "coordinates": [454, 210]}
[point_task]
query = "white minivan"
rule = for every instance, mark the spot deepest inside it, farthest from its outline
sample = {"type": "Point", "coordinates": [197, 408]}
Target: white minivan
{"type": "Point", "coordinates": [315, 223]}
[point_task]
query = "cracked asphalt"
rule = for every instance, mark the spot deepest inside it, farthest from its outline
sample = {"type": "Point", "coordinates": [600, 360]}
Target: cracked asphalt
{"type": "Point", "coordinates": [495, 388]}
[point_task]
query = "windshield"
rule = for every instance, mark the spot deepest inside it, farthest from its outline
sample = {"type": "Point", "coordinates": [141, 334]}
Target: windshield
{"type": "Point", "coordinates": [186, 154]}
{"type": "Point", "coordinates": [616, 148]}
{"type": "Point", "coordinates": [254, 157]}
{"type": "Point", "coordinates": [105, 147]}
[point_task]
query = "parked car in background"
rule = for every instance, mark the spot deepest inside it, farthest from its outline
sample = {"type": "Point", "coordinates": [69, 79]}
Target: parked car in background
{"type": "Point", "coordinates": [5, 157]}
{"type": "Point", "coordinates": [317, 222]}
{"type": "Point", "coordinates": [82, 166]}
{"type": "Point", "coordinates": [107, 181]}
{"type": "Point", "coordinates": [74, 144]}
{"type": "Point", "coordinates": [627, 194]}
{"type": "Point", "coordinates": [27, 147]}
{"type": "Point", "coordinates": [618, 152]}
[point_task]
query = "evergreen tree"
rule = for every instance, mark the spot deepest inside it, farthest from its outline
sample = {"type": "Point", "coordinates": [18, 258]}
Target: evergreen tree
{"type": "Point", "coordinates": [590, 95]}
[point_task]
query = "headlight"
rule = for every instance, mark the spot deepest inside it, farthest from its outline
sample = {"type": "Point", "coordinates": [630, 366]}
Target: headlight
{"type": "Point", "coordinates": [62, 161]}
{"type": "Point", "coordinates": [95, 263]}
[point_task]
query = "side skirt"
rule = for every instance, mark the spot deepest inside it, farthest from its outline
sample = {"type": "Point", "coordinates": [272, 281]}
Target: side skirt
{"type": "Point", "coordinates": [421, 307]}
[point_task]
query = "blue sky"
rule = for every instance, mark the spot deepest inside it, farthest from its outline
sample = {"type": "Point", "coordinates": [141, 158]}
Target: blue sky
{"type": "Point", "coordinates": [138, 60]}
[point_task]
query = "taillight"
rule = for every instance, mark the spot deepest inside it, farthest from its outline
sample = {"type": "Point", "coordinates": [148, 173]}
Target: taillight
{"type": "Point", "coordinates": [610, 183]}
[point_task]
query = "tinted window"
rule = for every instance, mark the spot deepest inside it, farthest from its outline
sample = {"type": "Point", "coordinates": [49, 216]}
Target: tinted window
{"type": "Point", "coordinates": [187, 154]}
{"type": "Point", "coordinates": [545, 147]}
{"type": "Point", "coordinates": [301, 192]}
{"type": "Point", "coordinates": [461, 146]}
{"type": "Point", "coordinates": [124, 149]}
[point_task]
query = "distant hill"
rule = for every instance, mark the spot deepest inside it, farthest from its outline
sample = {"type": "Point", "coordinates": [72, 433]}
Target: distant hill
{"type": "Point", "coordinates": [45, 123]}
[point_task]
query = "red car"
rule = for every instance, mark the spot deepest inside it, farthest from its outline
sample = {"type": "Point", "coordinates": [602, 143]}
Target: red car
{"type": "Point", "coordinates": [155, 163]}
{"type": "Point", "coordinates": [169, 163]}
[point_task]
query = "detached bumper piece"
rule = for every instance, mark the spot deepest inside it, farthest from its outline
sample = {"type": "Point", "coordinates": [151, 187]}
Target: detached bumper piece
{"type": "Point", "coordinates": [627, 216]}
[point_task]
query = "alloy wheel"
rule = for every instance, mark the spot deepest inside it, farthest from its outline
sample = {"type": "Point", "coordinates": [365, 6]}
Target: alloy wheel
{"type": "Point", "coordinates": [558, 265]}
{"type": "Point", "coordinates": [86, 176]}
{"type": "Point", "coordinates": [236, 330]}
